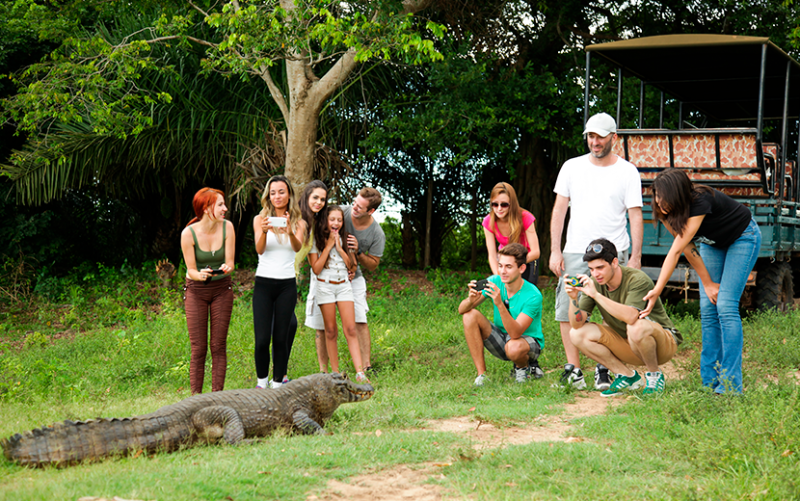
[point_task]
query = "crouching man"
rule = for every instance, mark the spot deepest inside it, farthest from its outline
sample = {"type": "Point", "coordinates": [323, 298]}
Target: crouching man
{"type": "Point", "coordinates": [516, 333]}
{"type": "Point", "coordinates": [623, 338]}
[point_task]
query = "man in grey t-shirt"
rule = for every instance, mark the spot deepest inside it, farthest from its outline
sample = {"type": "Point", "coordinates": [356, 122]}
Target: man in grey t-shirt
{"type": "Point", "coordinates": [367, 240]}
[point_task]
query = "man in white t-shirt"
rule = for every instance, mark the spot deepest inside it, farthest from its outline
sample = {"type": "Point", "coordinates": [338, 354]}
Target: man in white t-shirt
{"type": "Point", "coordinates": [599, 188]}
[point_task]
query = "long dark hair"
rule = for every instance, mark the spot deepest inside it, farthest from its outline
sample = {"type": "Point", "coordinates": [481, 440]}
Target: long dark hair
{"type": "Point", "coordinates": [514, 215]}
{"type": "Point", "coordinates": [322, 236]}
{"type": "Point", "coordinates": [676, 192]}
{"type": "Point", "coordinates": [313, 220]}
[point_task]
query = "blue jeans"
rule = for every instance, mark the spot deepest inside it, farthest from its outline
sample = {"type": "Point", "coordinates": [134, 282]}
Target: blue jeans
{"type": "Point", "coordinates": [721, 358]}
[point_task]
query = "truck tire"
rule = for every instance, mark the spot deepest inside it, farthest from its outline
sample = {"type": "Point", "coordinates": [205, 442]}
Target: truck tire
{"type": "Point", "coordinates": [775, 287]}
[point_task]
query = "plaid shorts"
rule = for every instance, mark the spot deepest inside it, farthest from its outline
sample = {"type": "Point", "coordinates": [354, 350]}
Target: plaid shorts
{"type": "Point", "coordinates": [497, 340]}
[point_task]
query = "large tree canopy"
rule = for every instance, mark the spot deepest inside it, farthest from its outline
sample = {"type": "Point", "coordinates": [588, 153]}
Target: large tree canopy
{"type": "Point", "coordinates": [102, 82]}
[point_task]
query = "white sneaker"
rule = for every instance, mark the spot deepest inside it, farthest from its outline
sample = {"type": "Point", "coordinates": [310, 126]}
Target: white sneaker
{"type": "Point", "coordinates": [481, 380]}
{"type": "Point", "coordinates": [521, 374]}
{"type": "Point", "coordinates": [274, 385]}
{"type": "Point", "coordinates": [571, 377]}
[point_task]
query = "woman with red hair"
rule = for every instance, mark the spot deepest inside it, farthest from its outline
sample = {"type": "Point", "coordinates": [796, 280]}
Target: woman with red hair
{"type": "Point", "coordinates": [208, 244]}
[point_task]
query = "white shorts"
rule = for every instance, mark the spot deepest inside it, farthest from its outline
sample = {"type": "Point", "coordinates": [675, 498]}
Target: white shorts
{"type": "Point", "coordinates": [314, 316]}
{"type": "Point", "coordinates": [328, 293]}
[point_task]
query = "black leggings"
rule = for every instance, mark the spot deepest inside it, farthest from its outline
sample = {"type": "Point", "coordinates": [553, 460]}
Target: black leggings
{"type": "Point", "coordinates": [273, 309]}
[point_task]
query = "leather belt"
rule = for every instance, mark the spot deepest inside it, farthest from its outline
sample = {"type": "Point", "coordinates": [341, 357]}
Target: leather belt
{"type": "Point", "coordinates": [332, 282]}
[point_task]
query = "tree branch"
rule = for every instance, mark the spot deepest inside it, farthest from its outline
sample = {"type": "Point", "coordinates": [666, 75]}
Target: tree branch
{"type": "Point", "coordinates": [276, 93]}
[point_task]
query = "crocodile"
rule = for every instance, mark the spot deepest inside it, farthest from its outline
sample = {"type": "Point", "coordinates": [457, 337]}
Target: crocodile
{"type": "Point", "coordinates": [302, 405]}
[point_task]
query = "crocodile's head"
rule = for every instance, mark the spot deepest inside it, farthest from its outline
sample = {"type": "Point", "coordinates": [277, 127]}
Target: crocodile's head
{"type": "Point", "coordinates": [348, 391]}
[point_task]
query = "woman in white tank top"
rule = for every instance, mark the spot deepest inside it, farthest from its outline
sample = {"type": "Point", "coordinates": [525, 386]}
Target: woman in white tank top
{"type": "Point", "coordinates": [279, 230]}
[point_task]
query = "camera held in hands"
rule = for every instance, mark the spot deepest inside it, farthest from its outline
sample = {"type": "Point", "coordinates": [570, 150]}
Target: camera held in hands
{"type": "Point", "coordinates": [572, 281]}
{"type": "Point", "coordinates": [482, 284]}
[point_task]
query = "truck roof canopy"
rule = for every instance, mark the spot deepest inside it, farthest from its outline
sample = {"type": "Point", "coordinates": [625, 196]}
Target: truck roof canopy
{"type": "Point", "coordinates": [717, 74]}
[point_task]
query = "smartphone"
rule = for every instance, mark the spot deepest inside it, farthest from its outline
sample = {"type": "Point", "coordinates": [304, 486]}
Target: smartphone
{"type": "Point", "coordinates": [277, 222]}
{"type": "Point", "coordinates": [481, 284]}
{"type": "Point", "coordinates": [572, 281]}
{"type": "Point", "coordinates": [217, 272]}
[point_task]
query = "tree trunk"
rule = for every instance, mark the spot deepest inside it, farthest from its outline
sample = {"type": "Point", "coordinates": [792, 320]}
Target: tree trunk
{"type": "Point", "coordinates": [301, 143]}
{"type": "Point", "coordinates": [536, 175]}
{"type": "Point", "coordinates": [473, 230]}
{"type": "Point", "coordinates": [409, 243]}
{"type": "Point", "coordinates": [428, 223]}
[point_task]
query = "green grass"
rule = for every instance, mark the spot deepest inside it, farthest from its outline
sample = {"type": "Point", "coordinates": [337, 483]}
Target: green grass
{"type": "Point", "coordinates": [686, 445]}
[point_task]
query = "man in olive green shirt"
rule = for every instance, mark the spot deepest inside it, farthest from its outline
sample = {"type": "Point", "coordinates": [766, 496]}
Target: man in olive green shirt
{"type": "Point", "coordinates": [623, 338]}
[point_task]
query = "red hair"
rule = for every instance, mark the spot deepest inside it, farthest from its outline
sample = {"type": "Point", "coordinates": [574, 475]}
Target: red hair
{"type": "Point", "coordinates": [204, 199]}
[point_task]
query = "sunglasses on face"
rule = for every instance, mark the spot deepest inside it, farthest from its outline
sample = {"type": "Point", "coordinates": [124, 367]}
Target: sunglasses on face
{"type": "Point", "coordinates": [596, 248]}
{"type": "Point", "coordinates": [500, 204]}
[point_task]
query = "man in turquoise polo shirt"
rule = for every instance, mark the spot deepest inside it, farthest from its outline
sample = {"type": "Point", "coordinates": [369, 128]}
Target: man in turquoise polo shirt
{"type": "Point", "coordinates": [516, 333]}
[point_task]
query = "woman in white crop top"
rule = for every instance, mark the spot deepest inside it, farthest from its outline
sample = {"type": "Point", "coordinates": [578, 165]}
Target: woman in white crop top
{"type": "Point", "coordinates": [279, 230]}
{"type": "Point", "coordinates": [332, 265]}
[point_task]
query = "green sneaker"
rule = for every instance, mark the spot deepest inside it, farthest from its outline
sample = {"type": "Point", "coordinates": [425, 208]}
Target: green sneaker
{"type": "Point", "coordinates": [624, 383]}
{"type": "Point", "coordinates": [655, 383]}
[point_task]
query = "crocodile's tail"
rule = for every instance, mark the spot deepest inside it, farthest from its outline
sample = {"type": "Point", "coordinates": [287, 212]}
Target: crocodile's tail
{"type": "Point", "coordinates": [72, 442]}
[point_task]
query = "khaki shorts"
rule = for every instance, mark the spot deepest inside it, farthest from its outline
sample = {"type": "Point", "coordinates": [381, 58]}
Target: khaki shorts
{"type": "Point", "coordinates": [666, 347]}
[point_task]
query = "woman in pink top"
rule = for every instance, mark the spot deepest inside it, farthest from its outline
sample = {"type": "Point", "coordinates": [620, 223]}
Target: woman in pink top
{"type": "Point", "coordinates": [507, 223]}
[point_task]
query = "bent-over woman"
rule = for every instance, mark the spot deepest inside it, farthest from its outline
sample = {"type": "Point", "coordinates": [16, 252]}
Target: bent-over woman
{"type": "Point", "coordinates": [508, 223]}
{"type": "Point", "coordinates": [728, 239]}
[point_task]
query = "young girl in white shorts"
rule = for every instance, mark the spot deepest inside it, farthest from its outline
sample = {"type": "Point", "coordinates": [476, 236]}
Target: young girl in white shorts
{"type": "Point", "coordinates": [332, 266]}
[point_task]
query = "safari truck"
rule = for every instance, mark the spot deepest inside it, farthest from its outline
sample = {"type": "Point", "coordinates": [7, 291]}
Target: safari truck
{"type": "Point", "coordinates": [736, 99]}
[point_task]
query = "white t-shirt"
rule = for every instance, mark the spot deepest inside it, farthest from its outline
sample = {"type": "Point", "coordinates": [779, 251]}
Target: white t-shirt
{"type": "Point", "coordinates": [599, 198]}
{"type": "Point", "coordinates": [277, 260]}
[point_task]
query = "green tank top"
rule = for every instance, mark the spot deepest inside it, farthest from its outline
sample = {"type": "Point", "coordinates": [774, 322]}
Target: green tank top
{"type": "Point", "coordinates": [209, 259]}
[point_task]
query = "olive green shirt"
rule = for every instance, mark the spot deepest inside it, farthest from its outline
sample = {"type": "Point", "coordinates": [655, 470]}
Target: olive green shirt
{"type": "Point", "coordinates": [631, 292]}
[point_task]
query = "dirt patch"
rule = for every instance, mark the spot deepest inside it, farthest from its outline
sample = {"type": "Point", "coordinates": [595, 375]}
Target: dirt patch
{"type": "Point", "coordinates": [402, 482]}
{"type": "Point", "coordinates": [544, 429]}
{"type": "Point", "coordinates": [401, 280]}
{"type": "Point", "coordinates": [413, 482]}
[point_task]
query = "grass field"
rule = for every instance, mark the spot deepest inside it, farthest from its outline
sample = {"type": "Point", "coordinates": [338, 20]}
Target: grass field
{"type": "Point", "coordinates": [132, 357]}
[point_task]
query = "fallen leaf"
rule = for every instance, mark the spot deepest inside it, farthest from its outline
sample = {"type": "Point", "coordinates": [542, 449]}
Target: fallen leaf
{"type": "Point", "coordinates": [265, 472]}
{"type": "Point", "coordinates": [442, 465]}
{"type": "Point", "coordinates": [378, 433]}
{"type": "Point", "coordinates": [324, 453]}
{"type": "Point", "coordinates": [510, 484]}
{"type": "Point", "coordinates": [506, 466]}
{"type": "Point", "coordinates": [471, 410]}
{"type": "Point", "coordinates": [571, 440]}
{"type": "Point", "coordinates": [784, 340]}
{"type": "Point", "coordinates": [787, 453]}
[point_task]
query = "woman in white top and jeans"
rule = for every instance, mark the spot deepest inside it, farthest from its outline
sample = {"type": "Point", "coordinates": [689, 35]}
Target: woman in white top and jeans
{"type": "Point", "coordinates": [275, 292]}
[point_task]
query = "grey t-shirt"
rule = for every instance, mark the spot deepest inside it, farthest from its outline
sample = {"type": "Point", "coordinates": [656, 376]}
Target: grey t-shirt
{"type": "Point", "coordinates": [371, 240]}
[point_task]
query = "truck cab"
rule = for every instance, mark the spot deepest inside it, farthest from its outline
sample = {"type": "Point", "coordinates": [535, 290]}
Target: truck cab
{"type": "Point", "coordinates": [735, 98]}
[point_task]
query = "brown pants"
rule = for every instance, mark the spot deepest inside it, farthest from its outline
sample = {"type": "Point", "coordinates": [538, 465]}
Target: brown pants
{"type": "Point", "coordinates": [203, 300]}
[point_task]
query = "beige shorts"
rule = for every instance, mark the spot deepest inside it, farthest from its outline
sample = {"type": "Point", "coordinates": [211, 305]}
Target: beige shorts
{"type": "Point", "coordinates": [314, 315]}
{"type": "Point", "coordinates": [666, 347]}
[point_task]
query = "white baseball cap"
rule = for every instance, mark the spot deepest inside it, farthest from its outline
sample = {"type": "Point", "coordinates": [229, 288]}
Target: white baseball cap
{"type": "Point", "coordinates": [601, 124]}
